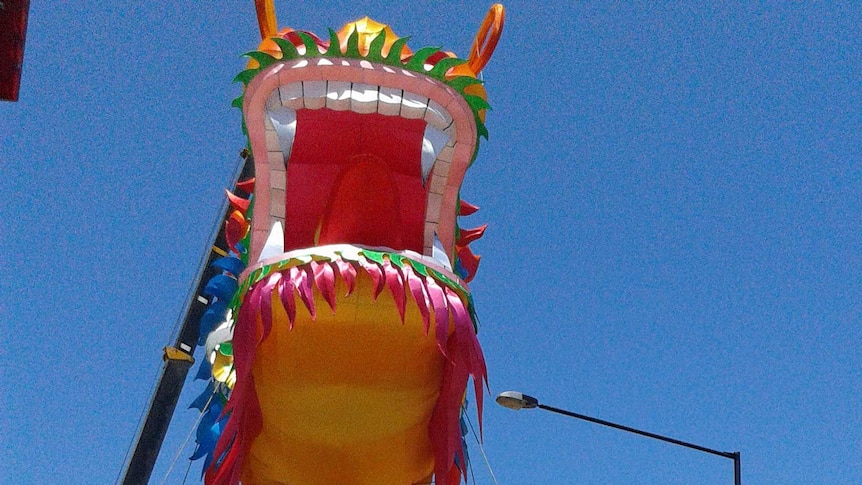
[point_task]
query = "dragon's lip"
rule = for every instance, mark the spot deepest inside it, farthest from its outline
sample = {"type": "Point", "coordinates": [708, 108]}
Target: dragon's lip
{"type": "Point", "coordinates": [363, 162]}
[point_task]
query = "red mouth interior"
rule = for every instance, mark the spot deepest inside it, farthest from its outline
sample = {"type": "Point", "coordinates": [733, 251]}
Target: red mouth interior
{"type": "Point", "coordinates": [355, 179]}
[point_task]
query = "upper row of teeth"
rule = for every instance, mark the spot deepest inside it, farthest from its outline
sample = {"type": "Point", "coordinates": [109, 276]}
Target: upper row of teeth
{"type": "Point", "coordinates": [361, 98]}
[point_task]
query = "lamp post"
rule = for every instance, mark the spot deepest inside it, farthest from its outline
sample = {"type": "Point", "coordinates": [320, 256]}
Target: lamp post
{"type": "Point", "coordinates": [517, 400]}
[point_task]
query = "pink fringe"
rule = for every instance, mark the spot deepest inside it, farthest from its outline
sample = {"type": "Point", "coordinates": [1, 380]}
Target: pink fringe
{"type": "Point", "coordinates": [245, 421]}
{"type": "Point", "coordinates": [420, 296]}
{"type": "Point", "coordinates": [324, 278]}
{"type": "Point", "coordinates": [395, 281]}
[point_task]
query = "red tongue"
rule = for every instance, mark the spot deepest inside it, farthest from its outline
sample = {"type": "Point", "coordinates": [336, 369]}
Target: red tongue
{"type": "Point", "coordinates": [364, 206]}
{"type": "Point", "coordinates": [355, 179]}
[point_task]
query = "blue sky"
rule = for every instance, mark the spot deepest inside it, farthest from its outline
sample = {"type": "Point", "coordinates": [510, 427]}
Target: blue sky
{"type": "Point", "coordinates": [674, 194]}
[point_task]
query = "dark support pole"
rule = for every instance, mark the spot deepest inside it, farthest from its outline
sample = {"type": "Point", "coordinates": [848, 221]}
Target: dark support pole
{"type": "Point", "coordinates": [156, 425]}
{"type": "Point", "coordinates": [737, 473]}
{"type": "Point", "coordinates": [178, 361]}
{"type": "Point", "coordinates": [737, 469]}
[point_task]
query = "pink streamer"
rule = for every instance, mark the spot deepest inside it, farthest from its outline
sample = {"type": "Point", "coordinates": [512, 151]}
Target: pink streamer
{"type": "Point", "coordinates": [469, 351]}
{"type": "Point", "coordinates": [417, 288]}
{"type": "Point", "coordinates": [395, 282]}
{"type": "Point", "coordinates": [348, 273]}
{"type": "Point", "coordinates": [324, 278]}
{"type": "Point", "coordinates": [441, 313]}
{"type": "Point", "coordinates": [375, 273]}
{"type": "Point", "coordinates": [245, 421]}
{"type": "Point", "coordinates": [288, 299]}
{"type": "Point", "coordinates": [303, 280]}
{"type": "Point", "coordinates": [266, 304]}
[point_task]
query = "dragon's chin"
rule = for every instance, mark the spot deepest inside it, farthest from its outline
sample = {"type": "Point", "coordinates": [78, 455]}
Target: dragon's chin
{"type": "Point", "coordinates": [382, 343]}
{"type": "Point", "coordinates": [354, 389]}
{"type": "Point", "coordinates": [345, 360]}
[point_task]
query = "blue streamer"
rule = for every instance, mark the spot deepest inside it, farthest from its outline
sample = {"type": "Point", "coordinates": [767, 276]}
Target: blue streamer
{"type": "Point", "coordinates": [463, 423]}
{"type": "Point", "coordinates": [214, 315]}
{"type": "Point", "coordinates": [460, 270]}
{"type": "Point", "coordinates": [221, 286]}
{"type": "Point", "coordinates": [209, 430]}
{"type": "Point", "coordinates": [230, 264]}
{"type": "Point", "coordinates": [205, 371]}
{"type": "Point", "coordinates": [202, 400]}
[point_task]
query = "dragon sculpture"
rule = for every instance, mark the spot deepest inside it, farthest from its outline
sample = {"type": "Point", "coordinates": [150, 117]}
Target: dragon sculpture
{"type": "Point", "coordinates": [341, 333]}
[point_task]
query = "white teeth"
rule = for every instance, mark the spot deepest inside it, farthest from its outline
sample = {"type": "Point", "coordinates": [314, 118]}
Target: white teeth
{"type": "Point", "coordinates": [432, 143]}
{"type": "Point", "coordinates": [291, 96]}
{"type": "Point", "coordinates": [413, 106]}
{"type": "Point", "coordinates": [338, 95]}
{"type": "Point", "coordinates": [389, 101]}
{"type": "Point", "coordinates": [363, 98]}
{"type": "Point", "coordinates": [274, 243]}
{"type": "Point", "coordinates": [314, 93]}
{"type": "Point", "coordinates": [283, 119]}
{"type": "Point", "coordinates": [437, 116]}
{"type": "Point", "coordinates": [439, 254]}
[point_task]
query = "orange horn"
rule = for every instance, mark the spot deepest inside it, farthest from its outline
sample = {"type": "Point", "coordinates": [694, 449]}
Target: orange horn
{"type": "Point", "coordinates": [266, 18]}
{"type": "Point", "coordinates": [487, 38]}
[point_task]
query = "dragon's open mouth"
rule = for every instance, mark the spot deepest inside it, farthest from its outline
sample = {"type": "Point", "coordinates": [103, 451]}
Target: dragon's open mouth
{"type": "Point", "coordinates": [359, 158]}
{"type": "Point", "coordinates": [360, 163]}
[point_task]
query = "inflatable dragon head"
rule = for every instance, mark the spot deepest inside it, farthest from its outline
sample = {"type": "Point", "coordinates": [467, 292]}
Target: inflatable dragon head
{"type": "Point", "coordinates": [360, 146]}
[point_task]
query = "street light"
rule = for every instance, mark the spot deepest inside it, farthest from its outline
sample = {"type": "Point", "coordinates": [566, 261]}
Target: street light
{"type": "Point", "coordinates": [518, 400]}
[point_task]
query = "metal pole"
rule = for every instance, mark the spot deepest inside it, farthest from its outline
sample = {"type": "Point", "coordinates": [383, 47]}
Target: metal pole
{"type": "Point", "coordinates": [155, 427]}
{"type": "Point", "coordinates": [735, 456]}
{"type": "Point", "coordinates": [737, 469]}
{"type": "Point", "coordinates": [178, 361]}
